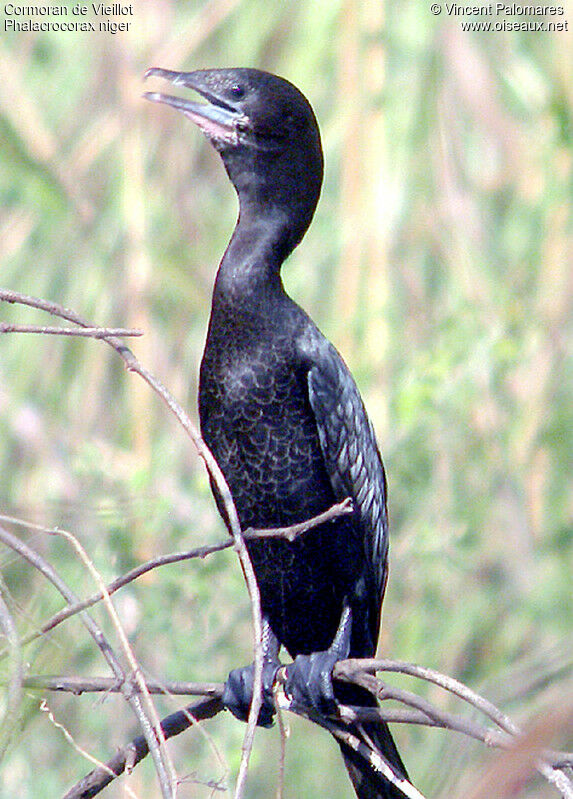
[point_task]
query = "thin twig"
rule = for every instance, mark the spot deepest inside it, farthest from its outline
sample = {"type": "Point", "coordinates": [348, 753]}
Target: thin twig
{"type": "Point", "coordinates": [374, 759]}
{"type": "Point", "coordinates": [131, 754]}
{"type": "Point", "coordinates": [39, 563]}
{"type": "Point", "coordinates": [115, 585]}
{"type": "Point", "coordinates": [108, 685]}
{"type": "Point", "coordinates": [222, 489]}
{"type": "Point", "coordinates": [146, 711]}
{"type": "Point", "coordinates": [13, 701]}
{"type": "Point", "coordinates": [94, 630]}
{"type": "Point", "coordinates": [283, 733]}
{"type": "Point", "coordinates": [294, 530]}
{"type": "Point", "coordinates": [378, 764]}
{"type": "Point", "coordinates": [86, 332]}
{"type": "Point", "coordinates": [557, 778]}
{"type": "Point", "coordinates": [440, 717]}
{"type": "Point", "coordinates": [195, 723]}
{"type": "Point", "coordinates": [45, 708]}
{"type": "Point", "coordinates": [289, 533]}
{"type": "Point", "coordinates": [443, 680]}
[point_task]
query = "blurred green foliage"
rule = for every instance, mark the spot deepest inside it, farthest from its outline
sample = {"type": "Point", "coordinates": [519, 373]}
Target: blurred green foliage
{"type": "Point", "coordinates": [439, 262]}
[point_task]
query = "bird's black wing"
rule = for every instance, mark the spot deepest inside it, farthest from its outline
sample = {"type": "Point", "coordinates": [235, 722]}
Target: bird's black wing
{"type": "Point", "coordinates": [351, 455]}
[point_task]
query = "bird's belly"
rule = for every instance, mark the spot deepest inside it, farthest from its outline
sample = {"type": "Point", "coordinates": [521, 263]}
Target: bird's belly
{"type": "Point", "coordinates": [264, 437]}
{"type": "Point", "coordinates": [303, 584]}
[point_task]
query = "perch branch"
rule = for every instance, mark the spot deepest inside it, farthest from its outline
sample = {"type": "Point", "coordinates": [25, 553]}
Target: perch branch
{"type": "Point", "coordinates": [413, 710]}
{"type": "Point", "coordinates": [108, 685]}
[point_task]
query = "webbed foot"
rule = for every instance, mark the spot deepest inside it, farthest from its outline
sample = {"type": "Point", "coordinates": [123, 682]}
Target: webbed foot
{"type": "Point", "coordinates": [309, 677]}
{"type": "Point", "coordinates": [238, 693]}
{"type": "Point", "coordinates": [309, 681]}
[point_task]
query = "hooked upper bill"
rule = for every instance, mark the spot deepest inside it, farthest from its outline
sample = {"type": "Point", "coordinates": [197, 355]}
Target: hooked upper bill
{"type": "Point", "coordinates": [217, 118]}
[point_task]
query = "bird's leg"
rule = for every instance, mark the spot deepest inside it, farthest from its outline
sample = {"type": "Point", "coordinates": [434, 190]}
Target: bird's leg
{"type": "Point", "coordinates": [238, 692]}
{"type": "Point", "coordinates": [309, 677]}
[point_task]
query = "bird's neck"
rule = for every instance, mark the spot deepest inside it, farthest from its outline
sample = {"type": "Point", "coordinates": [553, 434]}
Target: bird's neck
{"type": "Point", "coordinates": [249, 274]}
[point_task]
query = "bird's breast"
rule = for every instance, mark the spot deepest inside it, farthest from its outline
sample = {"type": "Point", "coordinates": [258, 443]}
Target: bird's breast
{"type": "Point", "coordinates": [257, 420]}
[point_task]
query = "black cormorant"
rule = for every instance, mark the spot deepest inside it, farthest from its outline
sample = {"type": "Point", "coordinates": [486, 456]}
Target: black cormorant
{"type": "Point", "coordinates": [281, 412]}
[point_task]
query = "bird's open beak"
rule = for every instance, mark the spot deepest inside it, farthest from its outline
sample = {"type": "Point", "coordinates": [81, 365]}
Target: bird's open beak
{"type": "Point", "coordinates": [216, 118]}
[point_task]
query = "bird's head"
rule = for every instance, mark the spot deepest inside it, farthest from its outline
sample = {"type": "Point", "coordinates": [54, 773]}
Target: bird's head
{"type": "Point", "coordinates": [266, 133]}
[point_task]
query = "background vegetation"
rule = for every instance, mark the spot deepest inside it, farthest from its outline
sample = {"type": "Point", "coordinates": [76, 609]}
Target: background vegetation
{"type": "Point", "coordinates": [439, 262]}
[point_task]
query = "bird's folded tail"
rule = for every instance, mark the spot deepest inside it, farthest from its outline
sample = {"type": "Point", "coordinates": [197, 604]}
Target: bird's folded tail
{"type": "Point", "coordinates": [370, 754]}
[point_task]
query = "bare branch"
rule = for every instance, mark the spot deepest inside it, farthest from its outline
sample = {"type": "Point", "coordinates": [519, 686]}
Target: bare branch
{"type": "Point", "coordinates": [432, 718]}
{"type": "Point", "coordinates": [443, 680]}
{"type": "Point", "coordinates": [119, 582]}
{"type": "Point", "coordinates": [435, 718]}
{"type": "Point", "coordinates": [419, 711]}
{"type": "Point", "coordinates": [131, 754]}
{"type": "Point", "coordinates": [375, 760]}
{"type": "Point", "coordinates": [414, 711]}
{"type": "Point", "coordinates": [14, 688]}
{"type": "Point", "coordinates": [384, 691]}
{"type": "Point", "coordinates": [362, 747]}
{"type": "Point", "coordinates": [86, 332]}
{"type": "Point", "coordinates": [39, 563]}
{"type": "Point", "coordinates": [283, 732]}
{"type": "Point", "coordinates": [83, 685]}
{"type": "Point", "coordinates": [145, 710]}
{"type": "Point", "coordinates": [222, 489]}
{"type": "Point", "coordinates": [547, 764]}
{"type": "Point", "coordinates": [289, 533]}
{"type": "Point", "coordinates": [94, 630]}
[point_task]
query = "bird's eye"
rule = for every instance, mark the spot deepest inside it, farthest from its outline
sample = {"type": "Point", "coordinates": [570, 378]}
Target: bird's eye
{"type": "Point", "coordinates": [237, 91]}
